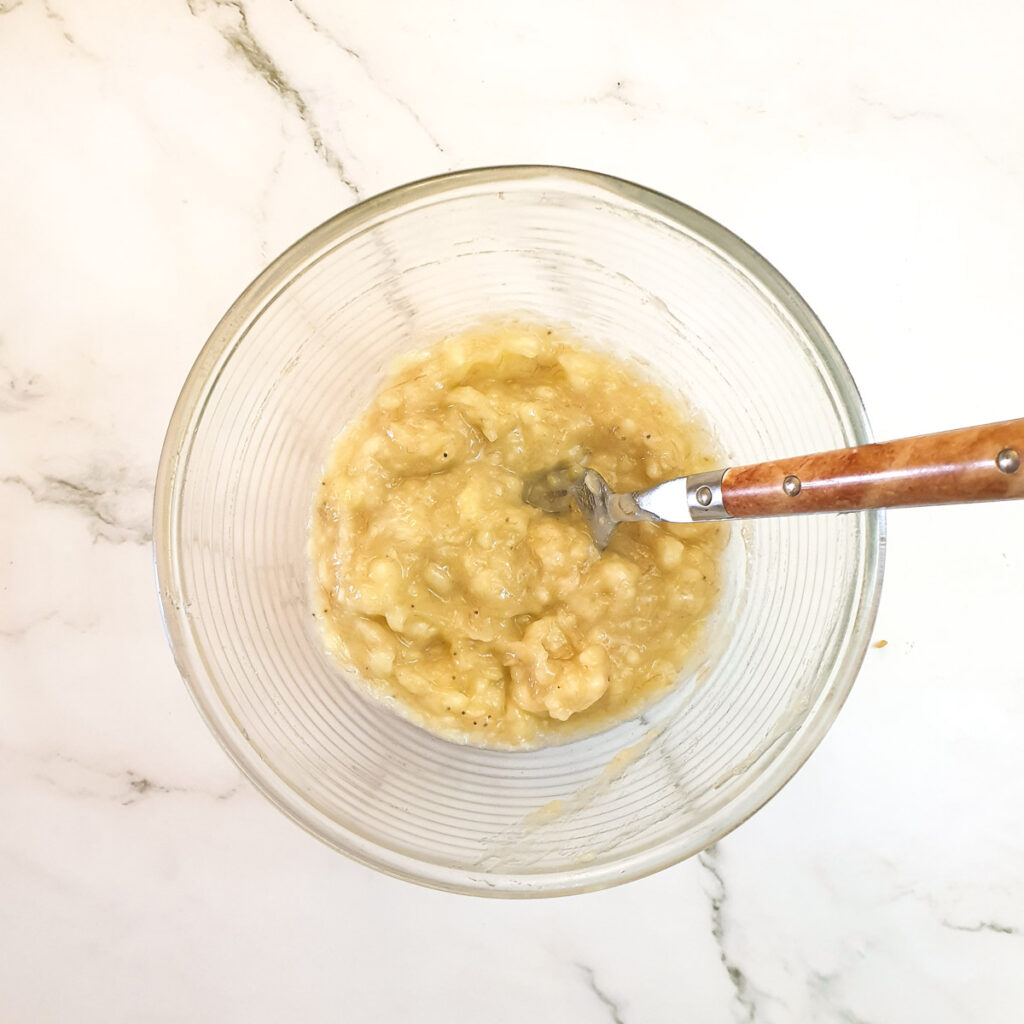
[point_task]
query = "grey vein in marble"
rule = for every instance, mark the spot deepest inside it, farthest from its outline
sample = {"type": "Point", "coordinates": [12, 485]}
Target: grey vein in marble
{"type": "Point", "coordinates": [141, 785]}
{"type": "Point", "coordinates": [321, 30]}
{"type": "Point", "coordinates": [823, 985]}
{"type": "Point", "coordinates": [18, 390]}
{"type": "Point", "coordinates": [263, 208]}
{"type": "Point", "coordinates": [60, 22]}
{"type": "Point", "coordinates": [100, 496]}
{"type": "Point", "coordinates": [956, 127]}
{"type": "Point", "coordinates": [745, 993]}
{"type": "Point", "coordinates": [240, 38]}
{"type": "Point", "coordinates": [606, 1000]}
{"type": "Point", "coordinates": [53, 15]}
{"type": "Point", "coordinates": [17, 632]}
{"type": "Point", "coordinates": [982, 926]}
{"type": "Point", "coordinates": [128, 786]}
{"type": "Point", "coordinates": [619, 93]}
{"type": "Point", "coordinates": [899, 115]}
{"type": "Point", "coordinates": [614, 94]}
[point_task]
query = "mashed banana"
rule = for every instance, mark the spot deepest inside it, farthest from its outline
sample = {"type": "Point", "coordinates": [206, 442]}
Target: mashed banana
{"type": "Point", "coordinates": [483, 619]}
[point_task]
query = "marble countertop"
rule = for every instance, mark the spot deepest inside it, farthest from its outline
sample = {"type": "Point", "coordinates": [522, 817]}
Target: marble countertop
{"type": "Point", "coordinates": [156, 156]}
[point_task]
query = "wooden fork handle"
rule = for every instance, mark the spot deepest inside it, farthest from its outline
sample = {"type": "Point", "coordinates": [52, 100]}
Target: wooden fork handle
{"type": "Point", "coordinates": [971, 464]}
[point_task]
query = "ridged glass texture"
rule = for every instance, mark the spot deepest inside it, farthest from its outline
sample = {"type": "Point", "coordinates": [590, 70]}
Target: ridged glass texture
{"type": "Point", "coordinates": [303, 350]}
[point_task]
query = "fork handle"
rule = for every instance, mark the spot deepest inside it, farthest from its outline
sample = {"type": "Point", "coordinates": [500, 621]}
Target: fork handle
{"type": "Point", "coordinates": [971, 464]}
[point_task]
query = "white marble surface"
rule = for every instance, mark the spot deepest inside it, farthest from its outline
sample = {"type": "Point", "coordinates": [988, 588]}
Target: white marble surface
{"type": "Point", "coordinates": [155, 156]}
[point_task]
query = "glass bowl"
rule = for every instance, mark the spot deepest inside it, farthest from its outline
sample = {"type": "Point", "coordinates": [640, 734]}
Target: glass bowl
{"type": "Point", "coordinates": [303, 350]}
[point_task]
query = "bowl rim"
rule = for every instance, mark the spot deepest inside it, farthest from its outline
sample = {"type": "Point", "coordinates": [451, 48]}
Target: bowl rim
{"type": "Point", "coordinates": [188, 657]}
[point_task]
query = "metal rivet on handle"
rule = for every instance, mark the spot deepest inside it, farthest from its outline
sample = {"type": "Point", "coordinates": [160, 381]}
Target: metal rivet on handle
{"type": "Point", "coordinates": [1008, 460]}
{"type": "Point", "coordinates": [704, 496]}
{"type": "Point", "coordinates": [791, 486]}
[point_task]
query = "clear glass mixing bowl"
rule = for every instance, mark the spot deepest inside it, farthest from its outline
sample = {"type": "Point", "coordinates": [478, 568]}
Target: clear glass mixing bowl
{"type": "Point", "coordinates": [303, 350]}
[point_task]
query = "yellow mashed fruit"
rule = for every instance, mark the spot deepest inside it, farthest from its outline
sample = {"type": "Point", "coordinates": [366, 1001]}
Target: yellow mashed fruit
{"type": "Point", "coordinates": [477, 616]}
